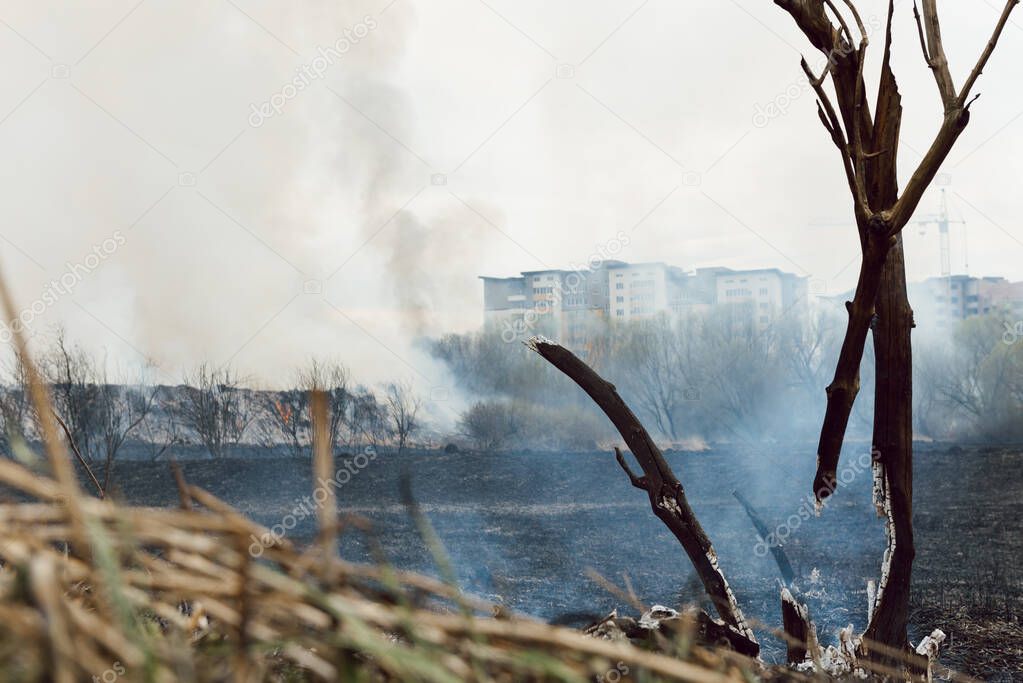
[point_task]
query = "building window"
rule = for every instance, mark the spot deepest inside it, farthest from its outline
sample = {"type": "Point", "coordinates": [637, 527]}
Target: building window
{"type": "Point", "coordinates": [619, 285]}
{"type": "Point", "coordinates": [619, 313]}
{"type": "Point", "coordinates": [763, 291]}
{"type": "Point", "coordinates": [620, 299]}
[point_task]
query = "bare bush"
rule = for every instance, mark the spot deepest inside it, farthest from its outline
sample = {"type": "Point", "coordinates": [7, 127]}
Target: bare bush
{"type": "Point", "coordinates": [74, 380]}
{"type": "Point", "coordinates": [489, 425]}
{"type": "Point", "coordinates": [122, 409]}
{"type": "Point", "coordinates": [17, 417]}
{"type": "Point", "coordinates": [286, 414]}
{"type": "Point", "coordinates": [331, 378]}
{"type": "Point", "coordinates": [213, 408]}
{"type": "Point", "coordinates": [366, 419]}
{"type": "Point", "coordinates": [403, 407]}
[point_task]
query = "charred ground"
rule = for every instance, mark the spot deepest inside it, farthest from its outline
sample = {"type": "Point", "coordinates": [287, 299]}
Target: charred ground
{"type": "Point", "coordinates": [524, 528]}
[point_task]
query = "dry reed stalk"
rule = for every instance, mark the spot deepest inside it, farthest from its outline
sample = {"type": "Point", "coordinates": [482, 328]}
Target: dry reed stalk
{"type": "Point", "coordinates": [323, 471]}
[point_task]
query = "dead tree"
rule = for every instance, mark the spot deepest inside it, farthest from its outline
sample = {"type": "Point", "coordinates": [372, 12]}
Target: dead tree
{"type": "Point", "coordinates": [212, 406]}
{"type": "Point", "coordinates": [122, 409]}
{"type": "Point", "coordinates": [667, 497]}
{"type": "Point", "coordinates": [332, 378]}
{"type": "Point", "coordinates": [286, 415]}
{"type": "Point", "coordinates": [403, 408]}
{"type": "Point", "coordinates": [868, 146]}
{"type": "Point", "coordinates": [74, 380]}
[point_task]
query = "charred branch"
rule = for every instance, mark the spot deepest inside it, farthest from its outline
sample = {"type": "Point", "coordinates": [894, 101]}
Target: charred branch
{"type": "Point", "coordinates": [781, 558]}
{"type": "Point", "coordinates": [667, 497]}
{"type": "Point", "coordinates": [78, 454]}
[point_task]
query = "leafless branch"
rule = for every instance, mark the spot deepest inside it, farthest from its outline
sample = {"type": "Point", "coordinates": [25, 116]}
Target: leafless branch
{"type": "Point", "coordinates": [988, 50]}
{"type": "Point", "coordinates": [936, 53]}
{"type": "Point", "coordinates": [667, 497]}
{"type": "Point", "coordinates": [78, 453]}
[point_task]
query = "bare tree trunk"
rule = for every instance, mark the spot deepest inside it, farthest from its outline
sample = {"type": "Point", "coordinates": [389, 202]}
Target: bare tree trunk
{"type": "Point", "coordinates": [893, 448]}
{"type": "Point", "coordinates": [667, 497]}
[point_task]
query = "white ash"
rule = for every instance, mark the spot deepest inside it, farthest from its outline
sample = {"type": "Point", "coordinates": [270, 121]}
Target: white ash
{"type": "Point", "coordinates": [652, 618]}
{"type": "Point", "coordinates": [741, 624]}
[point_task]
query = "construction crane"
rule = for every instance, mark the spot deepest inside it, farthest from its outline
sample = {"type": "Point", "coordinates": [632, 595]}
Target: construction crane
{"type": "Point", "coordinates": [942, 220]}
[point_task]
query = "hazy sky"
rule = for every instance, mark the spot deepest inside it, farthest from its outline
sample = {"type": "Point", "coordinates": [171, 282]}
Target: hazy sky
{"type": "Point", "coordinates": [431, 142]}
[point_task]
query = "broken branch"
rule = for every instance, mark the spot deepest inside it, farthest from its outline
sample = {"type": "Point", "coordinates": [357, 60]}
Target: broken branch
{"type": "Point", "coordinates": [667, 497]}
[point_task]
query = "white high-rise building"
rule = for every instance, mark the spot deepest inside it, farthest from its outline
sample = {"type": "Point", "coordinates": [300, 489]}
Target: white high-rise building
{"type": "Point", "coordinates": [572, 304]}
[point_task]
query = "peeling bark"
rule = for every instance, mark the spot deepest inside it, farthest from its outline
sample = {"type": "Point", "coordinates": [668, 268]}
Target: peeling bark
{"type": "Point", "coordinates": [893, 449]}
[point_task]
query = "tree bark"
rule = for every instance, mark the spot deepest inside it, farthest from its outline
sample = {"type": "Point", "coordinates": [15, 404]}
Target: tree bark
{"type": "Point", "coordinates": [802, 634]}
{"type": "Point", "coordinates": [893, 465]}
{"type": "Point", "coordinates": [667, 497]}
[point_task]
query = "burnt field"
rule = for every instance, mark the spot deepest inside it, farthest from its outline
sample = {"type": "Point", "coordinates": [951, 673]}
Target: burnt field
{"type": "Point", "coordinates": [522, 529]}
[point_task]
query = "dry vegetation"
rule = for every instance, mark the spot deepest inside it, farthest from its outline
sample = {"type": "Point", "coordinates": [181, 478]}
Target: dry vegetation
{"type": "Point", "coordinates": [90, 588]}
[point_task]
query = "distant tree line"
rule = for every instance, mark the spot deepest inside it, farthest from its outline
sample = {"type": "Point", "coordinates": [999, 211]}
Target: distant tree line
{"type": "Point", "coordinates": [212, 408]}
{"type": "Point", "coordinates": [717, 376]}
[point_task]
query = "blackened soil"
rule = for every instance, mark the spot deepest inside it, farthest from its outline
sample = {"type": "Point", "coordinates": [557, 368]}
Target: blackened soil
{"type": "Point", "coordinates": [522, 529]}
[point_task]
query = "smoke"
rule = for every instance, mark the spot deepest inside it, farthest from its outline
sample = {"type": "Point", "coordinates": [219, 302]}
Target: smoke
{"type": "Point", "coordinates": [265, 234]}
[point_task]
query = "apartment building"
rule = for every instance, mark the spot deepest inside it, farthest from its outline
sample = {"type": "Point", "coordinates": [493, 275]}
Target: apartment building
{"type": "Point", "coordinates": [568, 304]}
{"type": "Point", "coordinates": [942, 302]}
{"type": "Point", "coordinates": [763, 295]}
{"type": "Point", "coordinates": [575, 304]}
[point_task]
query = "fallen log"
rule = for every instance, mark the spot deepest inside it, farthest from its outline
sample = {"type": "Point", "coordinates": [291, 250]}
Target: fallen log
{"type": "Point", "coordinates": [781, 558]}
{"type": "Point", "coordinates": [667, 497]}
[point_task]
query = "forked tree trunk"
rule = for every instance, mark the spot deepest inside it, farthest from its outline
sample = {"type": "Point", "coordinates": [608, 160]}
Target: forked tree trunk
{"type": "Point", "coordinates": [869, 147]}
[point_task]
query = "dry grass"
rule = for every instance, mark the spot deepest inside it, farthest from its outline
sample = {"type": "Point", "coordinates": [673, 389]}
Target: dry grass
{"type": "Point", "coordinates": [74, 609]}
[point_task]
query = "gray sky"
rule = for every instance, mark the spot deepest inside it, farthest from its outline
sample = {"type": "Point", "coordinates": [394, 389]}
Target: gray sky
{"type": "Point", "coordinates": [324, 229]}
